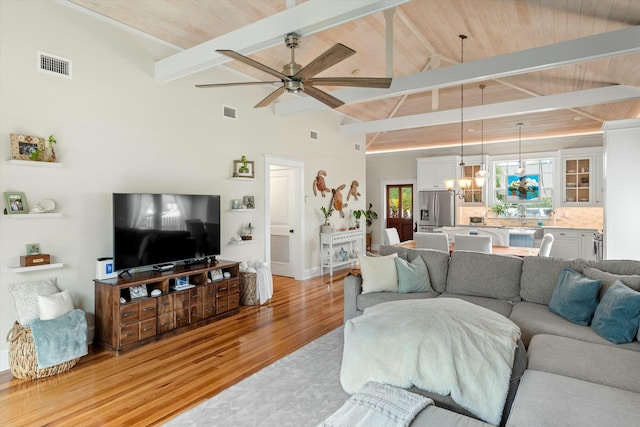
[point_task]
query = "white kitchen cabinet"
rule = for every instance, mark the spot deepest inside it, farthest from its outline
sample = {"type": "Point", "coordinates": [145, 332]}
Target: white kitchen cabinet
{"type": "Point", "coordinates": [586, 245]}
{"type": "Point", "coordinates": [581, 178]}
{"type": "Point", "coordinates": [433, 171]}
{"type": "Point", "coordinates": [572, 243]}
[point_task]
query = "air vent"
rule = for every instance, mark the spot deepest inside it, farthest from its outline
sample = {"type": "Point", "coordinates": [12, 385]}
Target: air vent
{"type": "Point", "coordinates": [52, 64]}
{"type": "Point", "coordinates": [313, 135]}
{"type": "Point", "coordinates": [229, 112]}
{"type": "Point", "coordinates": [357, 147]}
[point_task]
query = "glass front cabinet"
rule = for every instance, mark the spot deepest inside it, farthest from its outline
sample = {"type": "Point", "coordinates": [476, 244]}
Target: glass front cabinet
{"type": "Point", "coordinates": [582, 180]}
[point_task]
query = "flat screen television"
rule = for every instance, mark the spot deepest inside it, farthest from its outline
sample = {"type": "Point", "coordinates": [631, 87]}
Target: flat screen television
{"type": "Point", "coordinates": [152, 229]}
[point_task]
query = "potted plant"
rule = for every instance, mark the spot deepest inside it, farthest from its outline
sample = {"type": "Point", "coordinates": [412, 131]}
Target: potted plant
{"type": "Point", "coordinates": [326, 227]}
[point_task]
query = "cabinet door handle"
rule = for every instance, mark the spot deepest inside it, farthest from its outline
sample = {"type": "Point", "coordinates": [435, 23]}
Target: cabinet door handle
{"type": "Point", "coordinates": [149, 308]}
{"type": "Point", "coordinates": [148, 328]}
{"type": "Point", "coordinates": [127, 314]}
{"type": "Point", "coordinates": [164, 323]}
{"type": "Point", "coordinates": [222, 289]}
{"type": "Point", "coordinates": [129, 334]}
{"type": "Point", "coordinates": [181, 318]}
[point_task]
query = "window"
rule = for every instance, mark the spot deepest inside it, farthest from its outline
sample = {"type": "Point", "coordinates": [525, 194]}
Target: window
{"type": "Point", "coordinates": [530, 196]}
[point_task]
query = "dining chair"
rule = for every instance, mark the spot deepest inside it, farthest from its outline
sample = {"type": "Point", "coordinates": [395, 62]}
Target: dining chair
{"type": "Point", "coordinates": [468, 242]}
{"type": "Point", "coordinates": [545, 245]}
{"type": "Point", "coordinates": [391, 236]}
{"type": "Point", "coordinates": [437, 241]}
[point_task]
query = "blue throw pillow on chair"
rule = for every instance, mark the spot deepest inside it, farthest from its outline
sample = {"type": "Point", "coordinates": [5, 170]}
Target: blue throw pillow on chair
{"type": "Point", "coordinates": [575, 297]}
{"type": "Point", "coordinates": [618, 314]}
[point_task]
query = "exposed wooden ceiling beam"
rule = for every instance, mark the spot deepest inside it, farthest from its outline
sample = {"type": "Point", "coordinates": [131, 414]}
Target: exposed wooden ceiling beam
{"type": "Point", "coordinates": [619, 42]}
{"type": "Point", "coordinates": [502, 109]}
{"type": "Point", "coordinates": [307, 18]}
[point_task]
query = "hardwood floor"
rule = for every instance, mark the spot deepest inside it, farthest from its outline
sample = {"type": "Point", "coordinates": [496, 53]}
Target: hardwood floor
{"type": "Point", "coordinates": [152, 384]}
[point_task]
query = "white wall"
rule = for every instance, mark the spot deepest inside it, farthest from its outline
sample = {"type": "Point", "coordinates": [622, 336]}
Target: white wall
{"type": "Point", "coordinates": [119, 130]}
{"type": "Point", "coordinates": [621, 155]}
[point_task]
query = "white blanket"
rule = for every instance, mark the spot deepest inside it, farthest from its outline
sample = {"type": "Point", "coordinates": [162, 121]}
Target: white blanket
{"type": "Point", "coordinates": [442, 345]}
{"type": "Point", "coordinates": [378, 405]}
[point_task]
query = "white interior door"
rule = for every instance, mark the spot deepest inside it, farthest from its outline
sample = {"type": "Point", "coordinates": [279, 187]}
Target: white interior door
{"type": "Point", "coordinates": [285, 259]}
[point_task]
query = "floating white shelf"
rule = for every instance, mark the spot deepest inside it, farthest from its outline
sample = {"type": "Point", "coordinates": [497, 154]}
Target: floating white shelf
{"type": "Point", "coordinates": [33, 163]}
{"type": "Point", "coordinates": [241, 242]}
{"type": "Point", "coordinates": [35, 268]}
{"type": "Point", "coordinates": [33, 216]}
{"type": "Point", "coordinates": [239, 178]}
{"type": "Point", "coordinates": [243, 210]}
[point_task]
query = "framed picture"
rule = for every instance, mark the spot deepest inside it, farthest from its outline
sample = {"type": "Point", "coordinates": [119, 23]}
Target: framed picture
{"type": "Point", "coordinates": [138, 291]}
{"type": "Point", "coordinates": [248, 202]}
{"type": "Point", "coordinates": [522, 188]}
{"type": "Point", "coordinates": [33, 248]}
{"type": "Point", "coordinates": [216, 274]}
{"type": "Point", "coordinates": [25, 147]}
{"type": "Point", "coordinates": [243, 169]}
{"type": "Point", "coordinates": [16, 202]}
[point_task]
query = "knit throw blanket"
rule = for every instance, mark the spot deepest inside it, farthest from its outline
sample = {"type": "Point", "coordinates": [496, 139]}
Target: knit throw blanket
{"type": "Point", "coordinates": [378, 405]}
{"type": "Point", "coordinates": [61, 339]}
{"type": "Point", "coordinates": [441, 345]}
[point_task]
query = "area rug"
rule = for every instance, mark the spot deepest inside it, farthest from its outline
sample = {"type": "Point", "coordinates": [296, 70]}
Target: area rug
{"type": "Point", "coordinates": [301, 389]}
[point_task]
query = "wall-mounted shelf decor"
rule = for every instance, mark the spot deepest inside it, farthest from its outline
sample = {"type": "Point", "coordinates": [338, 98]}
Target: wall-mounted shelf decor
{"type": "Point", "coordinates": [17, 269]}
{"type": "Point", "coordinates": [32, 163]}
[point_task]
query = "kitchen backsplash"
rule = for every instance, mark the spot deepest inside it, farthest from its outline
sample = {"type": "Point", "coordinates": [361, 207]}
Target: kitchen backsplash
{"type": "Point", "coordinates": [564, 217]}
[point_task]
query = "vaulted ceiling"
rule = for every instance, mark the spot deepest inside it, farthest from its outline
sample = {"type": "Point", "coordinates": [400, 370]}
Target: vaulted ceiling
{"type": "Point", "coordinates": [560, 67]}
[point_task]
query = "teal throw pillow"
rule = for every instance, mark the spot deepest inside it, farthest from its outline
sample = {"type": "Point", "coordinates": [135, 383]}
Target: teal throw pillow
{"type": "Point", "coordinates": [618, 314]}
{"type": "Point", "coordinates": [575, 297]}
{"type": "Point", "coordinates": [413, 277]}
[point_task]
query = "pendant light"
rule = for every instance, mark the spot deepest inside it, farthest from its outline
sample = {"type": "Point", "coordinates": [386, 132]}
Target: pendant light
{"type": "Point", "coordinates": [521, 171]}
{"type": "Point", "coordinates": [482, 175]}
{"type": "Point", "coordinates": [464, 183]}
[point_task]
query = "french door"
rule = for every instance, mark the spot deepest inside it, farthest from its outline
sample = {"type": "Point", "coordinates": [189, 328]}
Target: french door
{"type": "Point", "coordinates": [399, 214]}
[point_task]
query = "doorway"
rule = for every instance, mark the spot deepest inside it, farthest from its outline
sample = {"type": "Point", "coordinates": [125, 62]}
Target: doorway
{"type": "Point", "coordinates": [399, 214]}
{"type": "Point", "coordinates": [284, 216]}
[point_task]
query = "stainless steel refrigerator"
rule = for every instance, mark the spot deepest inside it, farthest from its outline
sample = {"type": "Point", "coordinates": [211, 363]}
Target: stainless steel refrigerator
{"type": "Point", "coordinates": [437, 209]}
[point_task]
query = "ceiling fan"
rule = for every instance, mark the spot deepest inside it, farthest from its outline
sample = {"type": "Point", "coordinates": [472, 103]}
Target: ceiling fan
{"type": "Point", "coordinates": [296, 78]}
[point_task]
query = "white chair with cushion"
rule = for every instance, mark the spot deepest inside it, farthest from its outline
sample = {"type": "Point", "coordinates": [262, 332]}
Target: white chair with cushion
{"type": "Point", "coordinates": [437, 241]}
{"type": "Point", "coordinates": [467, 242]}
{"type": "Point", "coordinates": [391, 236]}
{"type": "Point", "coordinates": [545, 245]}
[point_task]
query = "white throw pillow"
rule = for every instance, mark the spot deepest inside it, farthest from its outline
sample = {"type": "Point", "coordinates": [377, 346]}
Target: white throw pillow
{"type": "Point", "coordinates": [378, 273]}
{"type": "Point", "coordinates": [25, 298]}
{"type": "Point", "coordinates": [55, 305]}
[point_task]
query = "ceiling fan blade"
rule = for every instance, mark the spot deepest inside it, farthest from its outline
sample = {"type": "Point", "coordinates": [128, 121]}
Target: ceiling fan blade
{"type": "Point", "coordinates": [337, 53]}
{"type": "Point", "coordinates": [323, 97]}
{"type": "Point", "coordinates": [376, 82]}
{"type": "Point", "coordinates": [270, 98]}
{"type": "Point", "coordinates": [236, 84]}
{"type": "Point", "coordinates": [255, 64]}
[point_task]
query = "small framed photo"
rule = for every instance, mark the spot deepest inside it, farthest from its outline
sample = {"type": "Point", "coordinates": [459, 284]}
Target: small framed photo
{"type": "Point", "coordinates": [25, 147]}
{"type": "Point", "coordinates": [248, 202]}
{"type": "Point", "coordinates": [15, 202]}
{"type": "Point", "coordinates": [33, 249]}
{"type": "Point", "coordinates": [138, 291]}
{"type": "Point", "coordinates": [216, 274]}
{"type": "Point", "coordinates": [243, 169]}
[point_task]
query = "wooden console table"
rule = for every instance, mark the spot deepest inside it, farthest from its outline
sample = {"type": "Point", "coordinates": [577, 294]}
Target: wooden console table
{"type": "Point", "coordinates": [136, 321]}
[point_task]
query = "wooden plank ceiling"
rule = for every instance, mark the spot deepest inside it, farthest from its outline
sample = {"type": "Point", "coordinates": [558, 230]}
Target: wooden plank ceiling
{"type": "Point", "coordinates": [425, 35]}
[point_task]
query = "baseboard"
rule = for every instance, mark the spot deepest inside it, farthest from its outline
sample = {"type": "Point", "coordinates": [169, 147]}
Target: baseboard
{"type": "Point", "coordinates": [4, 354]}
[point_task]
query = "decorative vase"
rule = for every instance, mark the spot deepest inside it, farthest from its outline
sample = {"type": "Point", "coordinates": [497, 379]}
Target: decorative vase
{"type": "Point", "coordinates": [325, 228]}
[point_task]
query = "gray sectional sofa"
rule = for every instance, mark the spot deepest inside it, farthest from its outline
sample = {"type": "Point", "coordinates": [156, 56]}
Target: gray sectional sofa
{"type": "Point", "coordinates": [573, 376]}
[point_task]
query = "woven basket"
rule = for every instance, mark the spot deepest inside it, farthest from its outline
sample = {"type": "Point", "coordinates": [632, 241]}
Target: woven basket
{"type": "Point", "coordinates": [248, 289]}
{"type": "Point", "coordinates": [22, 356]}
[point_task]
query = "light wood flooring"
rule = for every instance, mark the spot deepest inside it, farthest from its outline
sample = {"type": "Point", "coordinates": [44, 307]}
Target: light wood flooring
{"type": "Point", "coordinates": [154, 383]}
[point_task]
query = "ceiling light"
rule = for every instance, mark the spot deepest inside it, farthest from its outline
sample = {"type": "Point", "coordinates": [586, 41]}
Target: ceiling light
{"type": "Point", "coordinates": [463, 182]}
{"type": "Point", "coordinates": [483, 173]}
{"type": "Point", "coordinates": [521, 171]}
